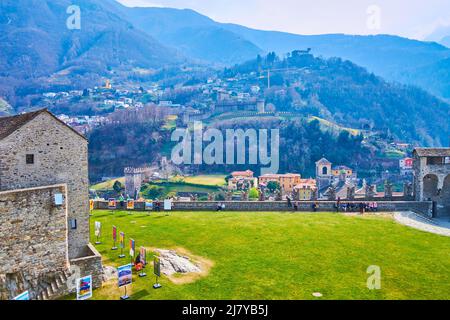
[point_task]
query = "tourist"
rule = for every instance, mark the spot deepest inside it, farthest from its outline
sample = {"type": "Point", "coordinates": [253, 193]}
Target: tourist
{"type": "Point", "coordinates": [338, 204]}
{"type": "Point", "coordinates": [361, 208]}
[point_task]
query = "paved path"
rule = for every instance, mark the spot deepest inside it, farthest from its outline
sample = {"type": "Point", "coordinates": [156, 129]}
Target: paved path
{"type": "Point", "coordinates": [438, 226]}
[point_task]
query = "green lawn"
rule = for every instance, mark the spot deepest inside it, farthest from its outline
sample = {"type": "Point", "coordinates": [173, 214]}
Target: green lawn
{"type": "Point", "coordinates": [284, 256]}
{"type": "Point", "coordinates": [206, 180]}
{"type": "Point", "coordinates": [107, 185]}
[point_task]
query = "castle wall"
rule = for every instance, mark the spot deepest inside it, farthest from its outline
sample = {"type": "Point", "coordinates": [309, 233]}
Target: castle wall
{"type": "Point", "coordinates": [60, 156]}
{"type": "Point", "coordinates": [303, 206]}
{"type": "Point", "coordinates": [33, 234]}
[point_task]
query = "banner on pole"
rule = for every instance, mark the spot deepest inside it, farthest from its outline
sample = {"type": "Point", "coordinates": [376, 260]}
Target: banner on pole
{"type": "Point", "coordinates": [122, 240]}
{"type": "Point", "coordinates": [167, 205]}
{"type": "Point", "coordinates": [142, 254]}
{"type": "Point", "coordinates": [84, 288]}
{"type": "Point", "coordinates": [130, 205]}
{"type": "Point", "coordinates": [148, 205]}
{"type": "Point", "coordinates": [98, 229]}
{"type": "Point", "coordinates": [114, 233]}
{"type": "Point", "coordinates": [124, 275]}
{"type": "Point", "coordinates": [132, 247]}
{"type": "Point", "coordinates": [23, 296]}
{"type": "Point", "coordinates": [157, 266]}
{"type": "Point", "coordinates": [112, 204]}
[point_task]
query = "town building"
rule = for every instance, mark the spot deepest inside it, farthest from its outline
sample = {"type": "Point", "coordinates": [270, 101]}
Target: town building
{"type": "Point", "coordinates": [306, 190]}
{"type": "Point", "coordinates": [287, 181]}
{"type": "Point", "coordinates": [242, 180]}
{"type": "Point", "coordinates": [44, 205]}
{"type": "Point", "coordinates": [406, 166]}
{"type": "Point", "coordinates": [338, 177]}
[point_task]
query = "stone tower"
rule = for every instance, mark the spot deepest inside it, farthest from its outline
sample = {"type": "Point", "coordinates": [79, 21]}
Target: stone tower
{"type": "Point", "coordinates": [323, 173]}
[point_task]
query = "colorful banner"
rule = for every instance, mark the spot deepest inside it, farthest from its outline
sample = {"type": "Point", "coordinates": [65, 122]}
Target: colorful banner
{"type": "Point", "coordinates": [132, 247]}
{"type": "Point", "coordinates": [149, 205]}
{"type": "Point", "coordinates": [84, 288]}
{"type": "Point", "coordinates": [122, 239]}
{"type": "Point", "coordinates": [112, 204]}
{"type": "Point", "coordinates": [114, 233]}
{"type": "Point", "coordinates": [98, 229]}
{"type": "Point", "coordinates": [142, 255]}
{"type": "Point", "coordinates": [124, 275]}
{"type": "Point", "coordinates": [130, 205]}
{"type": "Point", "coordinates": [167, 205]}
{"type": "Point", "coordinates": [23, 296]}
{"type": "Point", "coordinates": [91, 205]}
{"type": "Point", "coordinates": [157, 266]}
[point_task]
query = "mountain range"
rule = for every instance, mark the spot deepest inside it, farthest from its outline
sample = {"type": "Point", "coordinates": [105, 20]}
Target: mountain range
{"type": "Point", "coordinates": [38, 51]}
{"type": "Point", "coordinates": [35, 42]}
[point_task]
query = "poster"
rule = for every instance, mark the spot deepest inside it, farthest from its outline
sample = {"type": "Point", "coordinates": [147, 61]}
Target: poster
{"type": "Point", "coordinates": [142, 255]}
{"type": "Point", "coordinates": [112, 204]}
{"type": "Point", "coordinates": [157, 267]}
{"type": "Point", "coordinates": [132, 247]}
{"type": "Point", "coordinates": [130, 205]}
{"type": "Point", "coordinates": [148, 205]}
{"type": "Point", "coordinates": [84, 288]}
{"type": "Point", "coordinates": [122, 239]}
{"type": "Point", "coordinates": [167, 205]}
{"type": "Point", "coordinates": [23, 296]}
{"type": "Point", "coordinates": [124, 275]}
{"type": "Point", "coordinates": [98, 229]}
{"type": "Point", "coordinates": [91, 205]}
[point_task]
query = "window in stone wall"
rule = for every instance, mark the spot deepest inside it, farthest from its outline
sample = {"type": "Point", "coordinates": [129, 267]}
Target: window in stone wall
{"type": "Point", "coordinates": [30, 158]}
{"type": "Point", "coordinates": [73, 224]}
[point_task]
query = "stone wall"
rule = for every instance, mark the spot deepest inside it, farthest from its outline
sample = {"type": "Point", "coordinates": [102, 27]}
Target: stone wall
{"type": "Point", "coordinates": [90, 264]}
{"type": "Point", "coordinates": [61, 157]}
{"type": "Point", "coordinates": [33, 237]}
{"type": "Point", "coordinates": [303, 206]}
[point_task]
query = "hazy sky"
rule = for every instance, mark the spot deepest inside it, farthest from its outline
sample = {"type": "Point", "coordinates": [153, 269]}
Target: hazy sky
{"type": "Point", "coordinates": [410, 18]}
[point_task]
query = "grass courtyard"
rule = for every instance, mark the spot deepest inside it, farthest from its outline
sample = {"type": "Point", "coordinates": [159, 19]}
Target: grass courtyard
{"type": "Point", "coordinates": [282, 256]}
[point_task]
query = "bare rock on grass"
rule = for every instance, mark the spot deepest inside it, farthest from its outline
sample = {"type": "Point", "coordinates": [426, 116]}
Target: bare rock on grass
{"type": "Point", "coordinates": [172, 263]}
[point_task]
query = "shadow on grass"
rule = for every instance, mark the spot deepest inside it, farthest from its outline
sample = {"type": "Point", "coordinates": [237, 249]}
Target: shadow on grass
{"type": "Point", "coordinates": [139, 295]}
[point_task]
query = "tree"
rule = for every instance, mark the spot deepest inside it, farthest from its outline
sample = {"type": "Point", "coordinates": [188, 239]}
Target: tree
{"type": "Point", "coordinates": [253, 193]}
{"type": "Point", "coordinates": [273, 186]}
{"type": "Point", "coordinates": [118, 187]}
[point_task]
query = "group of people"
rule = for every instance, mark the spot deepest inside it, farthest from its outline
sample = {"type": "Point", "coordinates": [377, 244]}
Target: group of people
{"type": "Point", "coordinates": [362, 207]}
{"type": "Point", "coordinates": [340, 206]}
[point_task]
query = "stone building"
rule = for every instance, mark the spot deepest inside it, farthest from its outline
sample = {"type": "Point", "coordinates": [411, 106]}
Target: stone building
{"type": "Point", "coordinates": [41, 159]}
{"type": "Point", "coordinates": [286, 181]}
{"type": "Point", "coordinates": [432, 178]}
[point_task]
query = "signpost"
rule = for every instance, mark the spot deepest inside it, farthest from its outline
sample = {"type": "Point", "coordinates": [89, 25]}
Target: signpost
{"type": "Point", "coordinates": [143, 261]}
{"type": "Point", "coordinates": [23, 296]}
{"type": "Point", "coordinates": [157, 271]}
{"type": "Point", "coordinates": [122, 244]}
{"type": "Point", "coordinates": [98, 231]}
{"type": "Point", "coordinates": [84, 288]}
{"type": "Point", "coordinates": [125, 277]}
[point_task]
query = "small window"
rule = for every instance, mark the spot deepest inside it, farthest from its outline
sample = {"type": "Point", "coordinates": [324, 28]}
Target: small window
{"type": "Point", "coordinates": [30, 158]}
{"type": "Point", "coordinates": [73, 224]}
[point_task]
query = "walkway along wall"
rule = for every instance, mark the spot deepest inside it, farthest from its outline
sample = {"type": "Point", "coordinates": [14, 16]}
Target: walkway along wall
{"type": "Point", "coordinates": [424, 208]}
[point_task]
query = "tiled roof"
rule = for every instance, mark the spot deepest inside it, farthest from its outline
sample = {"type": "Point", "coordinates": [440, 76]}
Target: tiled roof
{"type": "Point", "coordinates": [432, 152]}
{"type": "Point", "coordinates": [10, 124]}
